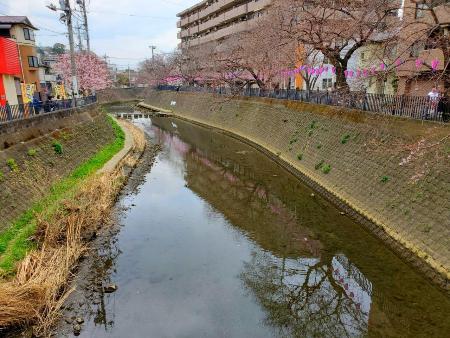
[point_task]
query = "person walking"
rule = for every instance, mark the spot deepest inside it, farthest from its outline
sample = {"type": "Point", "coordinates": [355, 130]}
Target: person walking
{"type": "Point", "coordinates": [433, 99]}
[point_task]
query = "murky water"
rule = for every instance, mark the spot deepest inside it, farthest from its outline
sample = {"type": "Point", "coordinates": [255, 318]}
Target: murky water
{"type": "Point", "coordinates": [219, 241]}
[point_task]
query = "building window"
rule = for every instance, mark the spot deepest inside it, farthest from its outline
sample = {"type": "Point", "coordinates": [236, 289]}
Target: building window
{"type": "Point", "coordinates": [327, 83]}
{"type": "Point", "coordinates": [33, 61]}
{"type": "Point", "coordinates": [421, 9]}
{"type": "Point", "coordinates": [28, 34]}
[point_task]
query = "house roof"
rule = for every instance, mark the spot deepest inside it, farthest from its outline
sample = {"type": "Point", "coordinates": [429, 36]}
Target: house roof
{"type": "Point", "coordinates": [14, 20]}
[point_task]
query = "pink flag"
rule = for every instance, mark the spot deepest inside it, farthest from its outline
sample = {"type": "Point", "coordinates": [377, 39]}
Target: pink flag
{"type": "Point", "coordinates": [383, 66]}
{"type": "Point", "coordinates": [419, 63]}
{"type": "Point", "coordinates": [435, 64]}
{"type": "Point", "coordinates": [398, 62]}
{"type": "Point", "coordinates": [333, 70]}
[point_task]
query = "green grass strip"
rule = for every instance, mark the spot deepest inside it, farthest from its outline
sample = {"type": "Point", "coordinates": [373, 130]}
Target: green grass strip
{"type": "Point", "coordinates": [14, 242]}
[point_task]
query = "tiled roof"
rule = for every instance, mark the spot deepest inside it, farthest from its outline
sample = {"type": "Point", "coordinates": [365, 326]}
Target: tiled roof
{"type": "Point", "coordinates": [16, 20]}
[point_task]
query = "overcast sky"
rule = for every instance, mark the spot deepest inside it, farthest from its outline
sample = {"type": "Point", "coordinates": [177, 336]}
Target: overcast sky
{"type": "Point", "coordinates": [123, 31]}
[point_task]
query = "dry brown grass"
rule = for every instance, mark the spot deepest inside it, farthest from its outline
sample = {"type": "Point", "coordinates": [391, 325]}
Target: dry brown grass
{"type": "Point", "coordinates": [41, 285]}
{"type": "Point", "coordinates": [35, 295]}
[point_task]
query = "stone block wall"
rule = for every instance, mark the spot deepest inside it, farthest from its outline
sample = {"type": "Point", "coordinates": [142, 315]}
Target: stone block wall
{"type": "Point", "coordinates": [30, 165]}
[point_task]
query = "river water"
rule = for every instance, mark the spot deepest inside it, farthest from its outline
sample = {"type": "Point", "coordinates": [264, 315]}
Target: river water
{"type": "Point", "coordinates": [219, 241]}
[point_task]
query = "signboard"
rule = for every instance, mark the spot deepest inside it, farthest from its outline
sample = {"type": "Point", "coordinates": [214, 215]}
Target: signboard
{"type": "Point", "coordinates": [60, 92]}
{"type": "Point", "coordinates": [28, 92]}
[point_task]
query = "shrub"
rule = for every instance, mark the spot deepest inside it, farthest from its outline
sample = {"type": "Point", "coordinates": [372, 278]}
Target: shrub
{"type": "Point", "coordinates": [11, 163]}
{"type": "Point", "coordinates": [57, 147]}
{"type": "Point", "coordinates": [32, 152]}
{"type": "Point", "coordinates": [326, 169]}
{"type": "Point", "coordinates": [345, 138]}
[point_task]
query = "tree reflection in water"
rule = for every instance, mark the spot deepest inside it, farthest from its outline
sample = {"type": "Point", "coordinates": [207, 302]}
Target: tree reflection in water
{"type": "Point", "coordinates": [309, 297]}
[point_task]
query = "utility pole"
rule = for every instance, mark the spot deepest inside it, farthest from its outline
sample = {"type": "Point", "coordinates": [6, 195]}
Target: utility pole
{"type": "Point", "coordinates": [66, 17]}
{"type": "Point", "coordinates": [129, 76]}
{"type": "Point", "coordinates": [82, 4]}
{"type": "Point", "coordinates": [152, 48]}
{"type": "Point", "coordinates": [80, 41]}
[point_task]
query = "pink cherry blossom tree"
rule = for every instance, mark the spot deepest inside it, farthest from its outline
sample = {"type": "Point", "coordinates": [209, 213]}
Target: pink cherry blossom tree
{"type": "Point", "coordinates": [92, 71]}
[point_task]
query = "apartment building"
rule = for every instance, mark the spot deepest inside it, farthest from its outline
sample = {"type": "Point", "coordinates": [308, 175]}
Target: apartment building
{"type": "Point", "coordinates": [425, 24]}
{"type": "Point", "coordinates": [212, 20]}
{"type": "Point", "coordinates": [21, 30]}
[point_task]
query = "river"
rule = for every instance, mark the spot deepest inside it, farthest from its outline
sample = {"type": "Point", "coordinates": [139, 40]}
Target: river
{"type": "Point", "coordinates": [219, 241]}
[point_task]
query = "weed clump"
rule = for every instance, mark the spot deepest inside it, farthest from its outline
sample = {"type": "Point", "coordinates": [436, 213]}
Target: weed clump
{"type": "Point", "coordinates": [319, 165]}
{"type": "Point", "coordinates": [32, 152]}
{"type": "Point", "coordinates": [345, 138]}
{"type": "Point", "coordinates": [11, 163]}
{"type": "Point", "coordinates": [2, 176]}
{"type": "Point", "coordinates": [326, 169]}
{"type": "Point", "coordinates": [300, 157]}
{"type": "Point", "coordinates": [57, 147]}
{"type": "Point", "coordinates": [385, 179]}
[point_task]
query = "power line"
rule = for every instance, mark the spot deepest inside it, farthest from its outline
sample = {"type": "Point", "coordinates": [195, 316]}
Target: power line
{"type": "Point", "coordinates": [131, 15]}
{"type": "Point", "coordinates": [40, 27]}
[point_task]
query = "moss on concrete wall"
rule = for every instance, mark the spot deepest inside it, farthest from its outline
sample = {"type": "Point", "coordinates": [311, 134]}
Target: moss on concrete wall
{"type": "Point", "coordinates": [28, 169]}
{"type": "Point", "coordinates": [396, 172]}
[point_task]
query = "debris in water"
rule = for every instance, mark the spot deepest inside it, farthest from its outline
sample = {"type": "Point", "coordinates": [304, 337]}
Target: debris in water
{"type": "Point", "coordinates": [110, 288]}
{"type": "Point", "coordinates": [76, 329]}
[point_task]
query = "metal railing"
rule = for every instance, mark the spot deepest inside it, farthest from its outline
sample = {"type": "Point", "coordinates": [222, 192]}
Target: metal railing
{"type": "Point", "coordinates": [9, 113]}
{"type": "Point", "coordinates": [415, 107]}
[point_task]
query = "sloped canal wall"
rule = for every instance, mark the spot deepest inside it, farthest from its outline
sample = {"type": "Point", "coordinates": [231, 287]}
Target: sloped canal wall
{"type": "Point", "coordinates": [37, 152]}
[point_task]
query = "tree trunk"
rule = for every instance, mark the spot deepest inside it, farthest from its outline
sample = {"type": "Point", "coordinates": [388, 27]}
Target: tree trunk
{"type": "Point", "coordinates": [341, 81]}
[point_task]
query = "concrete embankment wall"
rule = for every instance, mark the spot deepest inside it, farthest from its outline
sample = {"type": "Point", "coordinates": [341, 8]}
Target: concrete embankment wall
{"type": "Point", "coordinates": [394, 172]}
{"type": "Point", "coordinates": [29, 162]}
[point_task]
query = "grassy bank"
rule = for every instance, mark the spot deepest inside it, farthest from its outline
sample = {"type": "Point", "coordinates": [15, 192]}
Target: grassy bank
{"type": "Point", "coordinates": [15, 242]}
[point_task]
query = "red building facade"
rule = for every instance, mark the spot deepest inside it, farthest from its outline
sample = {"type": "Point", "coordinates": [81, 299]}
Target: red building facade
{"type": "Point", "coordinates": [9, 67]}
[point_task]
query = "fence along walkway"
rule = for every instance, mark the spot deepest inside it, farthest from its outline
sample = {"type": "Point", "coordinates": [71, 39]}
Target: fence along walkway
{"type": "Point", "coordinates": [9, 113]}
{"type": "Point", "coordinates": [416, 107]}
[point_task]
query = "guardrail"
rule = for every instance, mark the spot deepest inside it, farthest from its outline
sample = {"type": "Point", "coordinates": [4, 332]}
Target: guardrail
{"type": "Point", "coordinates": [9, 113]}
{"type": "Point", "coordinates": [415, 107]}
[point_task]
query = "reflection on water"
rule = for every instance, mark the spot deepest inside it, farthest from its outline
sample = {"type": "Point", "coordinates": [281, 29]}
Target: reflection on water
{"type": "Point", "coordinates": [221, 242]}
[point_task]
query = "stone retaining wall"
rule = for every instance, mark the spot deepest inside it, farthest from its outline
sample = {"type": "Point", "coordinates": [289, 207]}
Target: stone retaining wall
{"type": "Point", "coordinates": [31, 164]}
{"type": "Point", "coordinates": [395, 172]}
{"type": "Point", "coordinates": [23, 130]}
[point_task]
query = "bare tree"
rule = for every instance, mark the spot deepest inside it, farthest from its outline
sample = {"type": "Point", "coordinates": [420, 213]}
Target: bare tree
{"type": "Point", "coordinates": [335, 28]}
